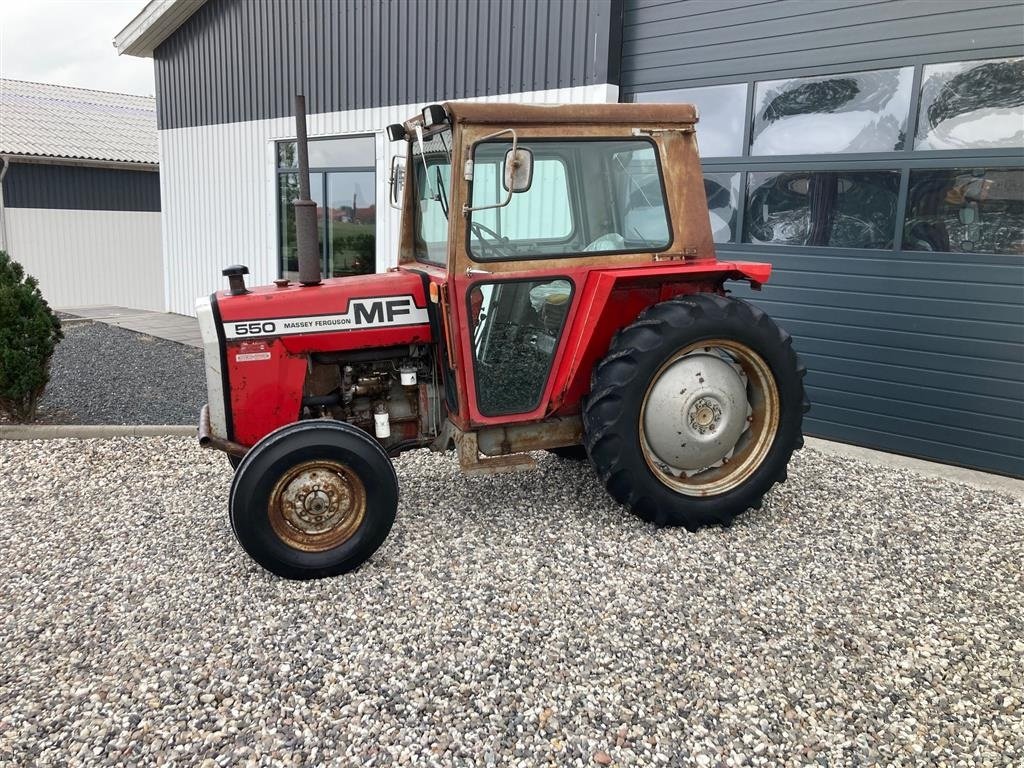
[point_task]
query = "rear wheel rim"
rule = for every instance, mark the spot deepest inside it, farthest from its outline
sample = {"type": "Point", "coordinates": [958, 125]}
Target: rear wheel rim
{"type": "Point", "coordinates": [317, 505]}
{"type": "Point", "coordinates": [727, 395]}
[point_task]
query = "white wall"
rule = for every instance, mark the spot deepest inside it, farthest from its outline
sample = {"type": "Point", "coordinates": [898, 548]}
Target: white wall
{"type": "Point", "coordinates": [218, 190]}
{"type": "Point", "coordinates": [90, 257]}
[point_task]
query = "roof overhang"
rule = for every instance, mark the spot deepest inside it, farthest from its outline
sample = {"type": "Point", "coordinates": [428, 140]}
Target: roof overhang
{"type": "Point", "coordinates": [152, 25]}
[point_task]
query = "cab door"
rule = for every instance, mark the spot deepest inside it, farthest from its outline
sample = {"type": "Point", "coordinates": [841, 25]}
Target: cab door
{"type": "Point", "coordinates": [513, 317]}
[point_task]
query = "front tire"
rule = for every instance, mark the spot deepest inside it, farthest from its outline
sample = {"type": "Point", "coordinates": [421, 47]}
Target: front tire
{"type": "Point", "coordinates": [313, 499]}
{"type": "Point", "coordinates": [695, 411]}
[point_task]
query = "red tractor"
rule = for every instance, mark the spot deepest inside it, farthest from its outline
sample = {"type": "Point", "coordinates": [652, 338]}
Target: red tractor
{"type": "Point", "coordinates": [556, 289]}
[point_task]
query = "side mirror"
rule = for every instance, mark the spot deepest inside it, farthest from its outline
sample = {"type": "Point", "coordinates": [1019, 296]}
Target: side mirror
{"type": "Point", "coordinates": [396, 182]}
{"type": "Point", "coordinates": [518, 174]}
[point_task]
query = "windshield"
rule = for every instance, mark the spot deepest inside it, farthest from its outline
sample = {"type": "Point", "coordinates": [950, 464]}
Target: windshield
{"type": "Point", "coordinates": [432, 169]}
{"type": "Point", "coordinates": [585, 196]}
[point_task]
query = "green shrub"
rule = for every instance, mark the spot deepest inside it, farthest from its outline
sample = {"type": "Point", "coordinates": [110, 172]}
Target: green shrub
{"type": "Point", "coordinates": [29, 332]}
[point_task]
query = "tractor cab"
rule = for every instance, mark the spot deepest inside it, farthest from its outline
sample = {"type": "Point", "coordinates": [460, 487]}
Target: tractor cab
{"type": "Point", "coordinates": [518, 214]}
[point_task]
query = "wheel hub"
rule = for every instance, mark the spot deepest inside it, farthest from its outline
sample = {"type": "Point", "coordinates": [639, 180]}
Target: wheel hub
{"type": "Point", "coordinates": [317, 505]}
{"type": "Point", "coordinates": [695, 413]}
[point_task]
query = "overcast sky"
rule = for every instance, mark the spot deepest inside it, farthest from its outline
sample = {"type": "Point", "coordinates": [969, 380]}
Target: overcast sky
{"type": "Point", "coordinates": [70, 42]}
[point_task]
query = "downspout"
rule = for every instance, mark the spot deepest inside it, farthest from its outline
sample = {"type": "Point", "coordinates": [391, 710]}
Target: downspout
{"type": "Point", "coordinates": [4, 165]}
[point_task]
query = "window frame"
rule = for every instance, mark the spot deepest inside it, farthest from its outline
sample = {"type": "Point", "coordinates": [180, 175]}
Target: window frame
{"type": "Point", "coordinates": [468, 307]}
{"type": "Point", "coordinates": [575, 191]}
{"type": "Point", "coordinates": [901, 160]}
{"type": "Point", "coordinates": [279, 172]}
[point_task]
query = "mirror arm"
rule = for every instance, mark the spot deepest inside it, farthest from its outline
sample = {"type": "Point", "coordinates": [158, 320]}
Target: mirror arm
{"type": "Point", "coordinates": [466, 209]}
{"type": "Point", "coordinates": [392, 184]}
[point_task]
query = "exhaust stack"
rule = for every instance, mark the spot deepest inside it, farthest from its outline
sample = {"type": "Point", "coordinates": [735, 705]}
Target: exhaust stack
{"type": "Point", "coordinates": [305, 209]}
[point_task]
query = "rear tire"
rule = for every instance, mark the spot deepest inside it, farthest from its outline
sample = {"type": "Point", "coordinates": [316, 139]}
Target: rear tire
{"type": "Point", "coordinates": [313, 499]}
{"type": "Point", "coordinates": [726, 394]}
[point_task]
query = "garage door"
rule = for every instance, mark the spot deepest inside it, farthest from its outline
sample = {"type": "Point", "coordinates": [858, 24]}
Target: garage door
{"type": "Point", "coordinates": [872, 153]}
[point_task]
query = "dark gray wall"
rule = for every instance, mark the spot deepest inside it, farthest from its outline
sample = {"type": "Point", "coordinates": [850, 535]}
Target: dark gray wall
{"type": "Point", "coordinates": [235, 60]}
{"type": "Point", "coordinates": [71, 187]}
{"type": "Point", "coordinates": [913, 352]}
{"type": "Point", "coordinates": [700, 42]}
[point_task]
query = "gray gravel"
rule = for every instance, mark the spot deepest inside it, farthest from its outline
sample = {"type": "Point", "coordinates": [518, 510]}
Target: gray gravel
{"type": "Point", "coordinates": [865, 616]}
{"type": "Point", "coordinates": [106, 375]}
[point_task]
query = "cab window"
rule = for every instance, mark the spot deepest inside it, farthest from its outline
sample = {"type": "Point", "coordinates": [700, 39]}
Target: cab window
{"type": "Point", "coordinates": [432, 169]}
{"type": "Point", "coordinates": [585, 196]}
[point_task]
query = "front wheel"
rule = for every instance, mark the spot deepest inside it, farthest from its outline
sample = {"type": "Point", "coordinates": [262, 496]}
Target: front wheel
{"type": "Point", "coordinates": [695, 411]}
{"type": "Point", "coordinates": [313, 499]}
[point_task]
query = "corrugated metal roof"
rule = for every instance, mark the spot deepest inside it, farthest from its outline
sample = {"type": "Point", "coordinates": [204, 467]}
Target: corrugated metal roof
{"type": "Point", "coordinates": [59, 121]}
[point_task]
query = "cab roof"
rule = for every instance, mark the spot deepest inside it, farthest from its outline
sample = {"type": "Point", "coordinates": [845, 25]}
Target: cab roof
{"type": "Point", "coordinates": [634, 114]}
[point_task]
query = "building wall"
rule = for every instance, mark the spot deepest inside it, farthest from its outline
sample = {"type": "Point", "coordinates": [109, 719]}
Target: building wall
{"type": "Point", "coordinates": [226, 81]}
{"type": "Point", "coordinates": [907, 350]}
{"type": "Point", "coordinates": [236, 61]}
{"type": "Point", "coordinates": [89, 235]}
{"type": "Point", "coordinates": [219, 184]}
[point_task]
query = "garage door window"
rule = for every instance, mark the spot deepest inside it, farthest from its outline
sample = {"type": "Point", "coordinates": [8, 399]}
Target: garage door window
{"type": "Point", "coordinates": [972, 105]}
{"type": "Point", "coordinates": [854, 112]}
{"type": "Point", "coordinates": [721, 109]}
{"type": "Point", "coordinates": [845, 209]}
{"type": "Point", "coordinates": [970, 210]}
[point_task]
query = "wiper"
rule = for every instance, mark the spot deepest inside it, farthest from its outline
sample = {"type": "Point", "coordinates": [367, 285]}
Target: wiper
{"type": "Point", "coordinates": [442, 194]}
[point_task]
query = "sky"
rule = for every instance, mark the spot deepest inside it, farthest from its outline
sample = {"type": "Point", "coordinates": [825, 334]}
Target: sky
{"type": "Point", "coordinates": [70, 42]}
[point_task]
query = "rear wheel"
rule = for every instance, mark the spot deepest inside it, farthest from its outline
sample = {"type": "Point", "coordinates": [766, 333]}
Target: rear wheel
{"type": "Point", "coordinates": [313, 499]}
{"type": "Point", "coordinates": [695, 411]}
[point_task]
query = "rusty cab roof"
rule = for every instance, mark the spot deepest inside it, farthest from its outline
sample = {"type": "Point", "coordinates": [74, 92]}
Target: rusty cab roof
{"type": "Point", "coordinates": [543, 114]}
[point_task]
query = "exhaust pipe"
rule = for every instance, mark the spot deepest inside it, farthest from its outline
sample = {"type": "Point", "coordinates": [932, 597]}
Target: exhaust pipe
{"type": "Point", "coordinates": [305, 209]}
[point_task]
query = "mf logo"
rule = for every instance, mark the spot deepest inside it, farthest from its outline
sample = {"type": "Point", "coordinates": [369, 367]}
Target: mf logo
{"type": "Point", "coordinates": [377, 311]}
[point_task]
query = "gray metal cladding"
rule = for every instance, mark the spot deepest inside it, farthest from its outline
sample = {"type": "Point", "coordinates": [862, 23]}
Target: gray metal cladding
{"type": "Point", "coordinates": [689, 42]}
{"type": "Point", "coordinates": [235, 61]}
{"type": "Point", "coordinates": [903, 354]}
{"type": "Point", "coordinates": [73, 187]}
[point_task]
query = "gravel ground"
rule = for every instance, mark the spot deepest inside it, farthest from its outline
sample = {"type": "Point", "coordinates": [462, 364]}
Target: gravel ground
{"type": "Point", "coordinates": [865, 616]}
{"type": "Point", "coordinates": [106, 375]}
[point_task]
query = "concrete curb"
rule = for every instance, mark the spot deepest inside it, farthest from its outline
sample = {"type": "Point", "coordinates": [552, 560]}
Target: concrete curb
{"type": "Point", "coordinates": [977, 479]}
{"type": "Point", "coordinates": [86, 431]}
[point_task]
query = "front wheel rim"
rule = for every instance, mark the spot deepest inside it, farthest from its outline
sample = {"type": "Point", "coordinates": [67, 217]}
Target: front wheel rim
{"type": "Point", "coordinates": [317, 505]}
{"type": "Point", "coordinates": [741, 410]}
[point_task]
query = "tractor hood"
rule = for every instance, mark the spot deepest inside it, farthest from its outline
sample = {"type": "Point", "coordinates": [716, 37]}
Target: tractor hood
{"type": "Point", "coordinates": [355, 312]}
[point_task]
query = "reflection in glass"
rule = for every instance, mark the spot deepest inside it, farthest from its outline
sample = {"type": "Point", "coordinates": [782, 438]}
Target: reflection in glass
{"type": "Point", "coordinates": [516, 326]}
{"type": "Point", "coordinates": [842, 209]}
{"type": "Point", "coordinates": [974, 104]}
{"type": "Point", "coordinates": [968, 210]}
{"type": "Point", "coordinates": [856, 112]}
{"type": "Point", "coordinates": [721, 109]}
{"type": "Point", "coordinates": [351, 223]}
{"type": "Point", "coordinates": [559, 214]}
{"type": "Point", "coordinates": [723, 194]}
{"type": "Point", "coordinates": [340, 152]}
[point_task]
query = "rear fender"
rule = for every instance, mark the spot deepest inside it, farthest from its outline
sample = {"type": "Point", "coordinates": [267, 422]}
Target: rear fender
{"type": "Point", "coordinates": [612, 299]}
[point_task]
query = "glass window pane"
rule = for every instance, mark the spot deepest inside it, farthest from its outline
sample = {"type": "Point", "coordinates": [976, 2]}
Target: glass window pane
{"type": "Point", "coordinates": [973, 104]}
{"type": "Point", "coordinates": [516, 326]}
{"type": "Point", "coordinates": [723, 194]}
{"type": "Point", "coordinates": [431, 171]}
{"type": "Point", "coordinates": [722, 109]}
{"type": "Point", "coordinates": [842, 209]}
{"type": "Point", "coordinates": [971, 210]}
{"type": "Point", "coordinates": [341, 152]}
{"type": "Point", "coordinates": [856, 112]}
{"type": "Point", "coordinates": [585, 196]}
{"type": "Point", "coordinates": [351, 223]}
{"type": "Point", "coordinates": [288, 191]}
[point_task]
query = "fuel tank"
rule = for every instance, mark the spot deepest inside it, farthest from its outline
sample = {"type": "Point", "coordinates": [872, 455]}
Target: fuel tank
{"type": "Point", "coordinates": [266, 336]}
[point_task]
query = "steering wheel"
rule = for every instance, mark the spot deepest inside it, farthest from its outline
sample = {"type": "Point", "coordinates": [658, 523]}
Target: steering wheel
{"type": "Point", "coordinates": [489, 245]}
